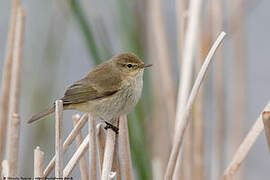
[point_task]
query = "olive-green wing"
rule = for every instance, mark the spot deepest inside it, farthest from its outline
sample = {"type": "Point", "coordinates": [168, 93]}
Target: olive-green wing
{"type": "Point", "coordinates": [81, 92]}
{"type": "Point", "coordinates": [99, 83]}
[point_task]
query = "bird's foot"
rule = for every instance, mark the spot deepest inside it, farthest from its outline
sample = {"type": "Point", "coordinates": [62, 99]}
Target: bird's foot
{"type": "Point", "coordinates": [110, 126]}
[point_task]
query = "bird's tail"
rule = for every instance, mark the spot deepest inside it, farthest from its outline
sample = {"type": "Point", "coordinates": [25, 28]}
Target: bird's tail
{"type": "Point", "coordinates": [42, 114]}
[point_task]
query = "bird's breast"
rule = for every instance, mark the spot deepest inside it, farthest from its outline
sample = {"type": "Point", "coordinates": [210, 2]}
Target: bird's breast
{"type": "Point", "coordinates": [117, 104]}
{"type": "Point", "coordinates": [131, 94]}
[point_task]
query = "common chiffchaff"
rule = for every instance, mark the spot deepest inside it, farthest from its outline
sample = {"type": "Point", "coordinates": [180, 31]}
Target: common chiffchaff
{"type": "Point", "coordinates": [111, 89]}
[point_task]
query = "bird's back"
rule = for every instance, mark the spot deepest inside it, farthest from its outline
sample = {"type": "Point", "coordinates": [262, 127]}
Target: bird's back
{"type": "Point", "coordinates": [99, 83]}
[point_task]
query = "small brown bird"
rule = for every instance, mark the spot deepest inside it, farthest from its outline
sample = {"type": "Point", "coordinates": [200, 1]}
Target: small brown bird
{"type": "Point", "coordinates": [111, 89]}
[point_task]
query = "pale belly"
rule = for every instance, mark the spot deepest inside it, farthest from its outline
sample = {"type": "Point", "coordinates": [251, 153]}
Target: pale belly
{"type": "Point", "coordinates": [118, 104]}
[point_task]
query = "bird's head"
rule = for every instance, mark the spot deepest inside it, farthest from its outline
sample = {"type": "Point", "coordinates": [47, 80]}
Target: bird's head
{"type": "Point", "coordinates": [129, 64]}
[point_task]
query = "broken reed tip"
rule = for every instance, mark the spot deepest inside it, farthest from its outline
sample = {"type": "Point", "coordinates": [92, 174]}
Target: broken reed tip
{"type": "Point", "coordinates": [266, 122]}
{"type": "Point", "coordinates": [98, 126]}
{"type": "Point", "coordinates": [38, 149]}
{"type": "Point", "coordinates": [266, 114]}
{"type": "Point", "coordinates": [112, 174]}
{"type": "Point", "coordinates": [76, 116]}
{"type": "Point", "coordinates": [15, 115]}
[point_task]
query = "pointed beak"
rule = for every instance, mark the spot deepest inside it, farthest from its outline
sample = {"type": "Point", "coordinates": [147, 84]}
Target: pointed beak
{"type": "Point", "coordinates": [145, 65]}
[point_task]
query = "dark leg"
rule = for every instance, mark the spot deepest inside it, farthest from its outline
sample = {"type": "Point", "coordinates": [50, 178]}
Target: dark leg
{"type": "Point", "coordinates": [110, 126]}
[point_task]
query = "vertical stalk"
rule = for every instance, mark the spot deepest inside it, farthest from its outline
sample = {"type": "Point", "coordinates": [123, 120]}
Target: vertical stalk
{"type": "Point", "coordinates": [116, 159]}
{"type": "Point", "coordinates": [187, 58]}
{"type": "Point", "coordinates": [181, 19]}
{"type": "Point", "coordinates": [79, 139]}
{"type": "Point", "coordinates": [38, 163]}
{"type": "Point", "coordinates": [108, 153]}
{"type": "Point", "coordinates": [6, 78]}
{"type": "Point", "coordinates": [13, 145]}
{"type": "Point", "coordinates": [100, 144]}
{"type": "Point", "coordinates": [162, 58]}
{"type": "Point", "coordinates": [124, 145]}
{"type": "Point", "coordinates": [198, 139]}
{"type": "Point", "coordinates": [219, 106]}
{"type": "Point", "coordinates": [92, 147]}
{"type": "Point", "coordinates": [67, 142]}
{"type": "Point", "coordinates": [184, 118]}
{"type": "Point", "coordinates": [198, 115]}
{"type": "Point", "coordinates": [14, 120]}
{"type": "Point", "coordinates": [5, 169]}
{"type": "Point", "coordinates": [163, 92]}
{"type": "Point", "coordinates": [58, 139]}
{"type": "Point", "coordinates": [239, 81]}
{"type": "Point", "coordinates": [187, 67]}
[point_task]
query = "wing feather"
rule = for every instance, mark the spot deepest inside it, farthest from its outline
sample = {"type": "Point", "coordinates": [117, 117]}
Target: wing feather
{"type": "Point", "coordinates": [99, 83]}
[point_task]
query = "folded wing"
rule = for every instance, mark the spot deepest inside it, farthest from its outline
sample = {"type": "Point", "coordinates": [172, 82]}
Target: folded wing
{"type": "Point", "coordinates": [101, 82]}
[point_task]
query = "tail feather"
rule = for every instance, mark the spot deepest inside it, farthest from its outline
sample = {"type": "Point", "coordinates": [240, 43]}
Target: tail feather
{"type": "Point", "coordinates": [42, 114]}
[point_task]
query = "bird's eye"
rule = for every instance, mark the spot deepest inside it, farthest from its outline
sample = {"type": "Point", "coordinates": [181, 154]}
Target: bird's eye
{"type": "Point", "coordinates": [129, 65]}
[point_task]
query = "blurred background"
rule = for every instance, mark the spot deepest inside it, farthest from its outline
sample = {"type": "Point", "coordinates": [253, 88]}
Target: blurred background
{"type": "Point", "coordinates": [64, 39]}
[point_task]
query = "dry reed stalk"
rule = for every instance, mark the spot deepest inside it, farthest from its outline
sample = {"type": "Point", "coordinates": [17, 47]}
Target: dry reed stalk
{"type": "Point", "coordinates": [187, 59]}
{"type": "Point", "coordinates": [124, 149]}
{"type": "Point", "coordinates": [6, 78]}
{"type": "Point", "coordinates": [108, 153]}
{"type": "Point", "coordinates": [59, 153]}
{"type": "Point", "coordinates": [38, 163]}
{"type": "Point", "coordinates": [17, 63]}
{"type": "Point", "coordinates": [79, 139]}
{"type": "Point", "coordinates": [193, 152]}
{"type": "Point", "coordinates": [245, 146]}
{"type": "Point", "coordinates": [181, 19]}
{"type": "Point", "coordinates": [14, 120]}
{"type": "Point", "coordinates": [160, 44]}
{"type": "Point", "coordinates": [93, 171]}
{"type": "Point", "coordinates": [198, 113]}
{"type": "Point", "coordinates": [67, 142]}
{"type": "Point", "coordinates": [100, 143]}
{"type": "Point", "coordinates": [159, 128]}
{"type": "Point", "coordinates": [188, 45]}
{"type": "Point", "coordinates": [13, 145]}
{"type": "Point", "coordinates": [76, 157]}
{"type": "Point", "coordinates": [5, 169]}
{"type": "Point", "coordinates": [198, 139]}
{"type": "Point", "coordinates": [266, 122]}
{"type": "Point", "coordinates": [101, 136]}
{"type": "Point", "coordinates": [116, 161]}
{"type": "Point", "coordinates": [239, 81]}
{"type": "Point", "coordinates": [185, 171]}
{"type": "Point", "coordinates": [189, 161]}
{"type": "Point", "coordinates": [113, 176]}
{"type": "Point", "coordinates": [164, 109]}
{"type": "Point", "coordinates": [185, 116]}
{"type": "Point", "coordinates": [219, 107]}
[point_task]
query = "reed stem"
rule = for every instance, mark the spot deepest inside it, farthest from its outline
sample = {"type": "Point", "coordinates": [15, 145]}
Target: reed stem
{"type": "Point", "coordinates": [185, 116]}
{"type": "Point", "coordinates": [38, 163]}
{"type": "Point", "coordinates": [67, 142]}
{"type": "Point", "coordinates": [79, 139]}
{"type": "Point", "coordinates": [124, 149]}
{"type": "Point", "coordinates": [108, 154]}
{"type": "Point", "coordinates": [93, 171]}
{"type": "Point", "coordinates": [59, 153]}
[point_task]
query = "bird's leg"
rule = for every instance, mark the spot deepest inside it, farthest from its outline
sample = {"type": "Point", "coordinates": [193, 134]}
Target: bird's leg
{"type": "Point", "coordinates": [110, 126]}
